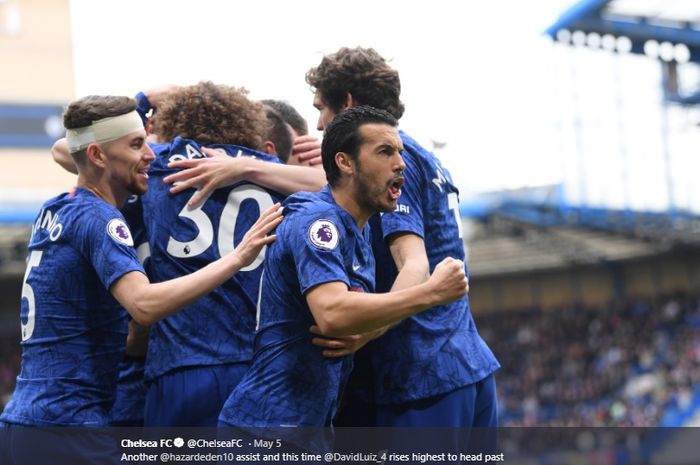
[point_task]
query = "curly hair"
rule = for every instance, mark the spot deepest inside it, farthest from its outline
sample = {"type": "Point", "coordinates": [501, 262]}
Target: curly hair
{"type": "Point", "coordinates": [212, 114]}
{"type": "Point", "coordinates": [363, 73]}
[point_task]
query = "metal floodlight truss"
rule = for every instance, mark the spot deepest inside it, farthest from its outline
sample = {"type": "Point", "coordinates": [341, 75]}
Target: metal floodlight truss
{"type": "Point", "coordinates": [667, 30]}
{"type": "Point", "coordinates": [672, 27]}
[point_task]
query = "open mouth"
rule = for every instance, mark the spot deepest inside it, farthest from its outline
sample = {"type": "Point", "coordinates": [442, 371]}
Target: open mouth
{"type": "Point", "coordinates": [143, 172]}
{"type": "Point", "coordinates": [395, 188]}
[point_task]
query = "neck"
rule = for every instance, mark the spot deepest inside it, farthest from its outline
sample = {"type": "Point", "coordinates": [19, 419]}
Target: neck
{"type": "Point", "coordinates": [102, 190]}
{"type": "Point", "coordinates": [344, 196]}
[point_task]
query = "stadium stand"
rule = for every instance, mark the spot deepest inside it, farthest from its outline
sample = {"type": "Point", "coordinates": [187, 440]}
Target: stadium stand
{"type": "Point", "coordinates": [10, 355]}
{"type": "Point", "coordinates": [621, 350]}
{"type": "Point", "coordinates": [631, 363]}
{"type": "Point", "coordinates": [502, 245]}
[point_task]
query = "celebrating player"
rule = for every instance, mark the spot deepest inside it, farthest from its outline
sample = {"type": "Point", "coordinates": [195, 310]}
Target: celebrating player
{"type": "Point", "coordinates": [321, 272]}
{"type": "Point", "coordinates": [433, 369]}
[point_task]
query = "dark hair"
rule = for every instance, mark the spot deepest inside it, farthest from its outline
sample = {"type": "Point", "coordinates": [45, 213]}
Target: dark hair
{"type": "Point", "coordinates": [363, 73]}
{"type": "Point", "coordinates": [343, 135]}
{"type": "Point", "coordinates": [279, 133]}
{"type": "Point", "coordinates": [290, 115]}
{"type": "Point", "coordinates": [85, 111]}
{"type": "Point", "coordinates": [212, 114]}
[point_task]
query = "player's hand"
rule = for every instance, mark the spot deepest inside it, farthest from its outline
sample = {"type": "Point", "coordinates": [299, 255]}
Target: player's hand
{"type": "Point", "coordinates": [448, 281]}
{"type": "Point", "coordinates": [341, 346]}
{"type": "Point", "coordinates": [205, 174]}
{"type": "Point", "coordinates": [306, 151]}
{"type": "Point", "coordinates": [257, 236]}
{"type": "Point", "coordinates": [136, 340]}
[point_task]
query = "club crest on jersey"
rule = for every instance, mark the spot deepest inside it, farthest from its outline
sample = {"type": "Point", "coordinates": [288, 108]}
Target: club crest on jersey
{"type": "Point", "coordinates": [119, 231]}
{"type": "Point", "coordinates": [323, 234]}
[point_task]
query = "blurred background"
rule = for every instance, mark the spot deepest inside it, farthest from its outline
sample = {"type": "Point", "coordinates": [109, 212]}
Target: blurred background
{"type": "Point", "coordinates": [572, 129]}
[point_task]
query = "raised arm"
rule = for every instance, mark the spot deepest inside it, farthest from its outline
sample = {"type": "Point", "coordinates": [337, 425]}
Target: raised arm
{"type": "Point", "coordinates": [149, 302]}
{"type": "Point", "coordinates": [61, 155]}
{"type": "Point", "coordinates": [208, 174]}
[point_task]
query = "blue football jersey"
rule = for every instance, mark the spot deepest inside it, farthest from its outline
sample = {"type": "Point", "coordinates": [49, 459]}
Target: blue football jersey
{"type": "Point", "coordinates": [439, 349]}
{"type": "Point", "coordinates": [290, 383]}
{"type": "Point", "coordinates": [133, 214]}
{"type": "Point", "coordinates": [73, 330]}
{"type": "Point", "coordinates": [130, 398]}
{"type": "Point", "coordinates": [219, 327]}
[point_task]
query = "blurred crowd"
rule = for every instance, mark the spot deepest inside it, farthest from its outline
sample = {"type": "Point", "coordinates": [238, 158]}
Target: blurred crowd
{"type": "Point", "coordinates": [627, 364]}
{"type": "Point", "coordinates": [10, 355]}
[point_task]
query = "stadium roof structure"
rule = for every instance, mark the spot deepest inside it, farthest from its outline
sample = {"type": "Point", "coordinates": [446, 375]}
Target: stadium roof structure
{"type": "Point", "coordinates": [535, 229]}
{"type": "Point", "coordinates": [668, 30]}
{"type": "Point", "coordinates": [501, 245]}
{"type": "Point", "coordinates": [545, 206]}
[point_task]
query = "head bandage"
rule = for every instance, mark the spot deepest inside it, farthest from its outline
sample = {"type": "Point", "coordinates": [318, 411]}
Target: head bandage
{"type": "Point", "coordinates": [103, 130]}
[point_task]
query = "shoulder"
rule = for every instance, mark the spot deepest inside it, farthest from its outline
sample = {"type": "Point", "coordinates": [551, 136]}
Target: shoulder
{"type": "Point", "coordinates": [176, 150]}
{"type": "Point", "coordinates": [310, 216]}
{"type": "Point", "coordinates": [422, 166]}
{"type": "Point", "coordinates": [82, 206]}
{"type": "Point", "coordinates": [103, 218]}
{"type": "Point", "coordinates": [305, 205]}
{"type": "Point", "coordinates": [413, 151]}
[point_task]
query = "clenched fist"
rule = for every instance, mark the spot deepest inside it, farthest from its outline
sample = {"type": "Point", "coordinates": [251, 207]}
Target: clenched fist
{"type": "Point", "coordinates": [448, 281]}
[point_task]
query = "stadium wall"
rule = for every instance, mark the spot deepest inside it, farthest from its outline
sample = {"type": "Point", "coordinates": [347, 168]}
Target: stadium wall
{"type": "Point", "coordinates": [591, 286]}
{"type": "Point", "coordinates": [37, 56]}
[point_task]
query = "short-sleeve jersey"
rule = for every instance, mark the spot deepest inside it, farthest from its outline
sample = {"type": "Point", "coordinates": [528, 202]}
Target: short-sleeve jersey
{"type": "Point", "coordinates": [218, 328]}
{"type": "Point", "coordinates": [73, 330]}
{"type": "Point", "coordinates": [290, 382]}
{"type": "Point", "coordinates": [440, 349]}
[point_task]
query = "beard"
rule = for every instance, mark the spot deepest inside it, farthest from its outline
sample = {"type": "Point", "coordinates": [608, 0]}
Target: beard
{"type": "Point", "coordinates": [137, 187]}
{"type": "Point", "coordinates": [370, 195]}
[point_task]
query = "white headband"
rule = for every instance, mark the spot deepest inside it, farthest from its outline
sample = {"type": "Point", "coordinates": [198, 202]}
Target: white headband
{"type": "Point", "coordinates": [104, 130]}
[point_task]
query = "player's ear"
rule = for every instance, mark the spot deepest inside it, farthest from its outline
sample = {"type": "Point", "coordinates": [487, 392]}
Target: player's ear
{"type": "Point", "coordinates": [149, 126]}
{"type": "Point", "coordinates": [350, 102]}
{"type": "Point", "coordinates": [269, 147]}
{"type": "Point", "coordinates": [95, 155]}
{"type": "Point", "coordinates": [345, 164]}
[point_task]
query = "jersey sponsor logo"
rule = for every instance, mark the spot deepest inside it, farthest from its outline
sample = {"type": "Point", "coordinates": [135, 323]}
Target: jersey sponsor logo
{"type": "Point", "coordinates": [119, 231]}
{"type": "Point", "coordinates": [323, 234]}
